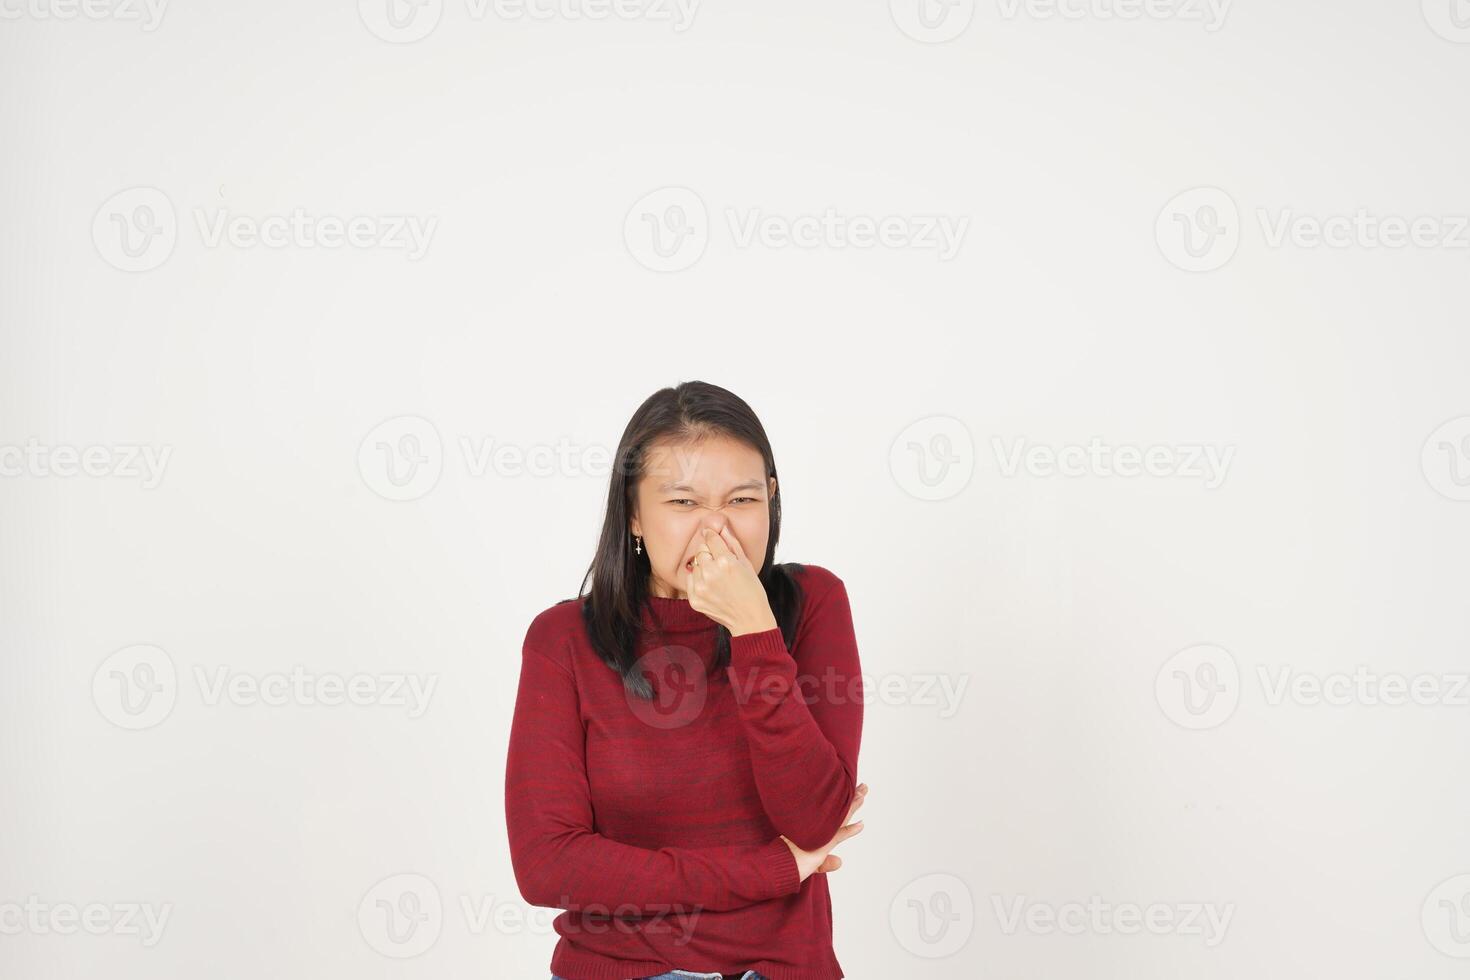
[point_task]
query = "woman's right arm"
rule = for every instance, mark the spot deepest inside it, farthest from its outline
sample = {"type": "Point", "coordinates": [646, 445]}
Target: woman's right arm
{"type": "Point", "coordinates": [561, 862]}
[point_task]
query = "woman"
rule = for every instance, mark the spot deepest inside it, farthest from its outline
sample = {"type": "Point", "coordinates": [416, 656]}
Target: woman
{"type": "Point", "coordinates": [683, 754]}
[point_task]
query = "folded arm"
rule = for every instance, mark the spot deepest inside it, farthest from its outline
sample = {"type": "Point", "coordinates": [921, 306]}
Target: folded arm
{"type": "Point", "coordinates": [803, 715]}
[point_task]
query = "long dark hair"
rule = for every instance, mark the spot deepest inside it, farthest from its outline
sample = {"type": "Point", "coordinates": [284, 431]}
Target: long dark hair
{"type": "Point", "coordinates": [612, 608]}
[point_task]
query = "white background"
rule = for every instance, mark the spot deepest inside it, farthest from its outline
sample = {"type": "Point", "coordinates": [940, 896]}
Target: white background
{"type": "Point", "coordinates": [1072, 766]}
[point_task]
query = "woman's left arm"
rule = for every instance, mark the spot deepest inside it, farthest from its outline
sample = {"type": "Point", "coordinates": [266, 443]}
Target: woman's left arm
{"type": "Point", "coordinates": [803, 714]}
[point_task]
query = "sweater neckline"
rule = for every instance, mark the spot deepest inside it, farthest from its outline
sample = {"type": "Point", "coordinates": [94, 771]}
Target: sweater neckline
{"type": "Point", "coordinates": [674, 616]}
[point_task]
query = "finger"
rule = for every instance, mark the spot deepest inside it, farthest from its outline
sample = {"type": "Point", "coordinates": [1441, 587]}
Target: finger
{"type": "Point", "coordinates": [856, 805]}
{"type": "Point", "coordinates": [715, 543]}
{"type": "Point", "coordinates": [831, 863]}
{"type": "Point", "coordinates": [728, 536]}
{"type": "Point", "coordinates": [851, 830]}
{"type": "Point", "coordinates": [696, 542]}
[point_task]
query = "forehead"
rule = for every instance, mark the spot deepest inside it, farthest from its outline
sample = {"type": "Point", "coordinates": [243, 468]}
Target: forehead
{"type": "Point", "coordinates": [716, 463]}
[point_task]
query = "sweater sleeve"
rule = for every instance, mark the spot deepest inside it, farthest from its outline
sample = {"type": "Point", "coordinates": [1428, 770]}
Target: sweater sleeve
{"type": "Point", "coordinates": [803, 731]}
{"type": "Point", "coordinates": [559, 859]}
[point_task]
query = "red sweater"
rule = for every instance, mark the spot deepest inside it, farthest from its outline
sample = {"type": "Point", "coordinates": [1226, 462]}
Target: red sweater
{"type": "Point", "coordinates": [656, 824]}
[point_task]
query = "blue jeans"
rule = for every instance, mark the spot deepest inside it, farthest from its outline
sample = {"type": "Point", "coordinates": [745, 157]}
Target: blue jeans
{"type": "Point", "coordinates": [691, 975]}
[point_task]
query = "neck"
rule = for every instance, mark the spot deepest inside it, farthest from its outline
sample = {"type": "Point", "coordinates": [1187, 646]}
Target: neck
{"type": "Point", "coordinates": [657, 588]}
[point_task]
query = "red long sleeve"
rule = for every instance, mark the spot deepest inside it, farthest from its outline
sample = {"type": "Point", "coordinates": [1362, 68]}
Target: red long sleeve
{"type": "Point", "coordinates": [803, 717]}
{"type": "Point", "coordinates": [561, 862]}
{"type": "Point", "coordinates": [642, 810]}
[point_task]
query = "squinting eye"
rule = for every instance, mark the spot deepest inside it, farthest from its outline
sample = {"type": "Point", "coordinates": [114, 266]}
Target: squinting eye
{"type": "Point", "coordinates": [743, 498]}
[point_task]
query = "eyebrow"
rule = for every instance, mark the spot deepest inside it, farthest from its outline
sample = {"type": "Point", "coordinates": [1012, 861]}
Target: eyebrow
{"type": "Point", "coordinates": [747, 485]}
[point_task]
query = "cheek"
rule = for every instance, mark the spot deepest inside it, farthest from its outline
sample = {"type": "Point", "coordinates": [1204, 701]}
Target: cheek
{"type": "Point", "coordinates": [752, 533]}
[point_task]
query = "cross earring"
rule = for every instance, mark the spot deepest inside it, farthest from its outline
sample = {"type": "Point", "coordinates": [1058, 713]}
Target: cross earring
{"type": "Point", "coordinates": [639, 547]}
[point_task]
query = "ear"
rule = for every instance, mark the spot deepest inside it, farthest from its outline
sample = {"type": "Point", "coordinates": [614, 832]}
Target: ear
{"type": "Point", "coordinates": [770, 487]}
